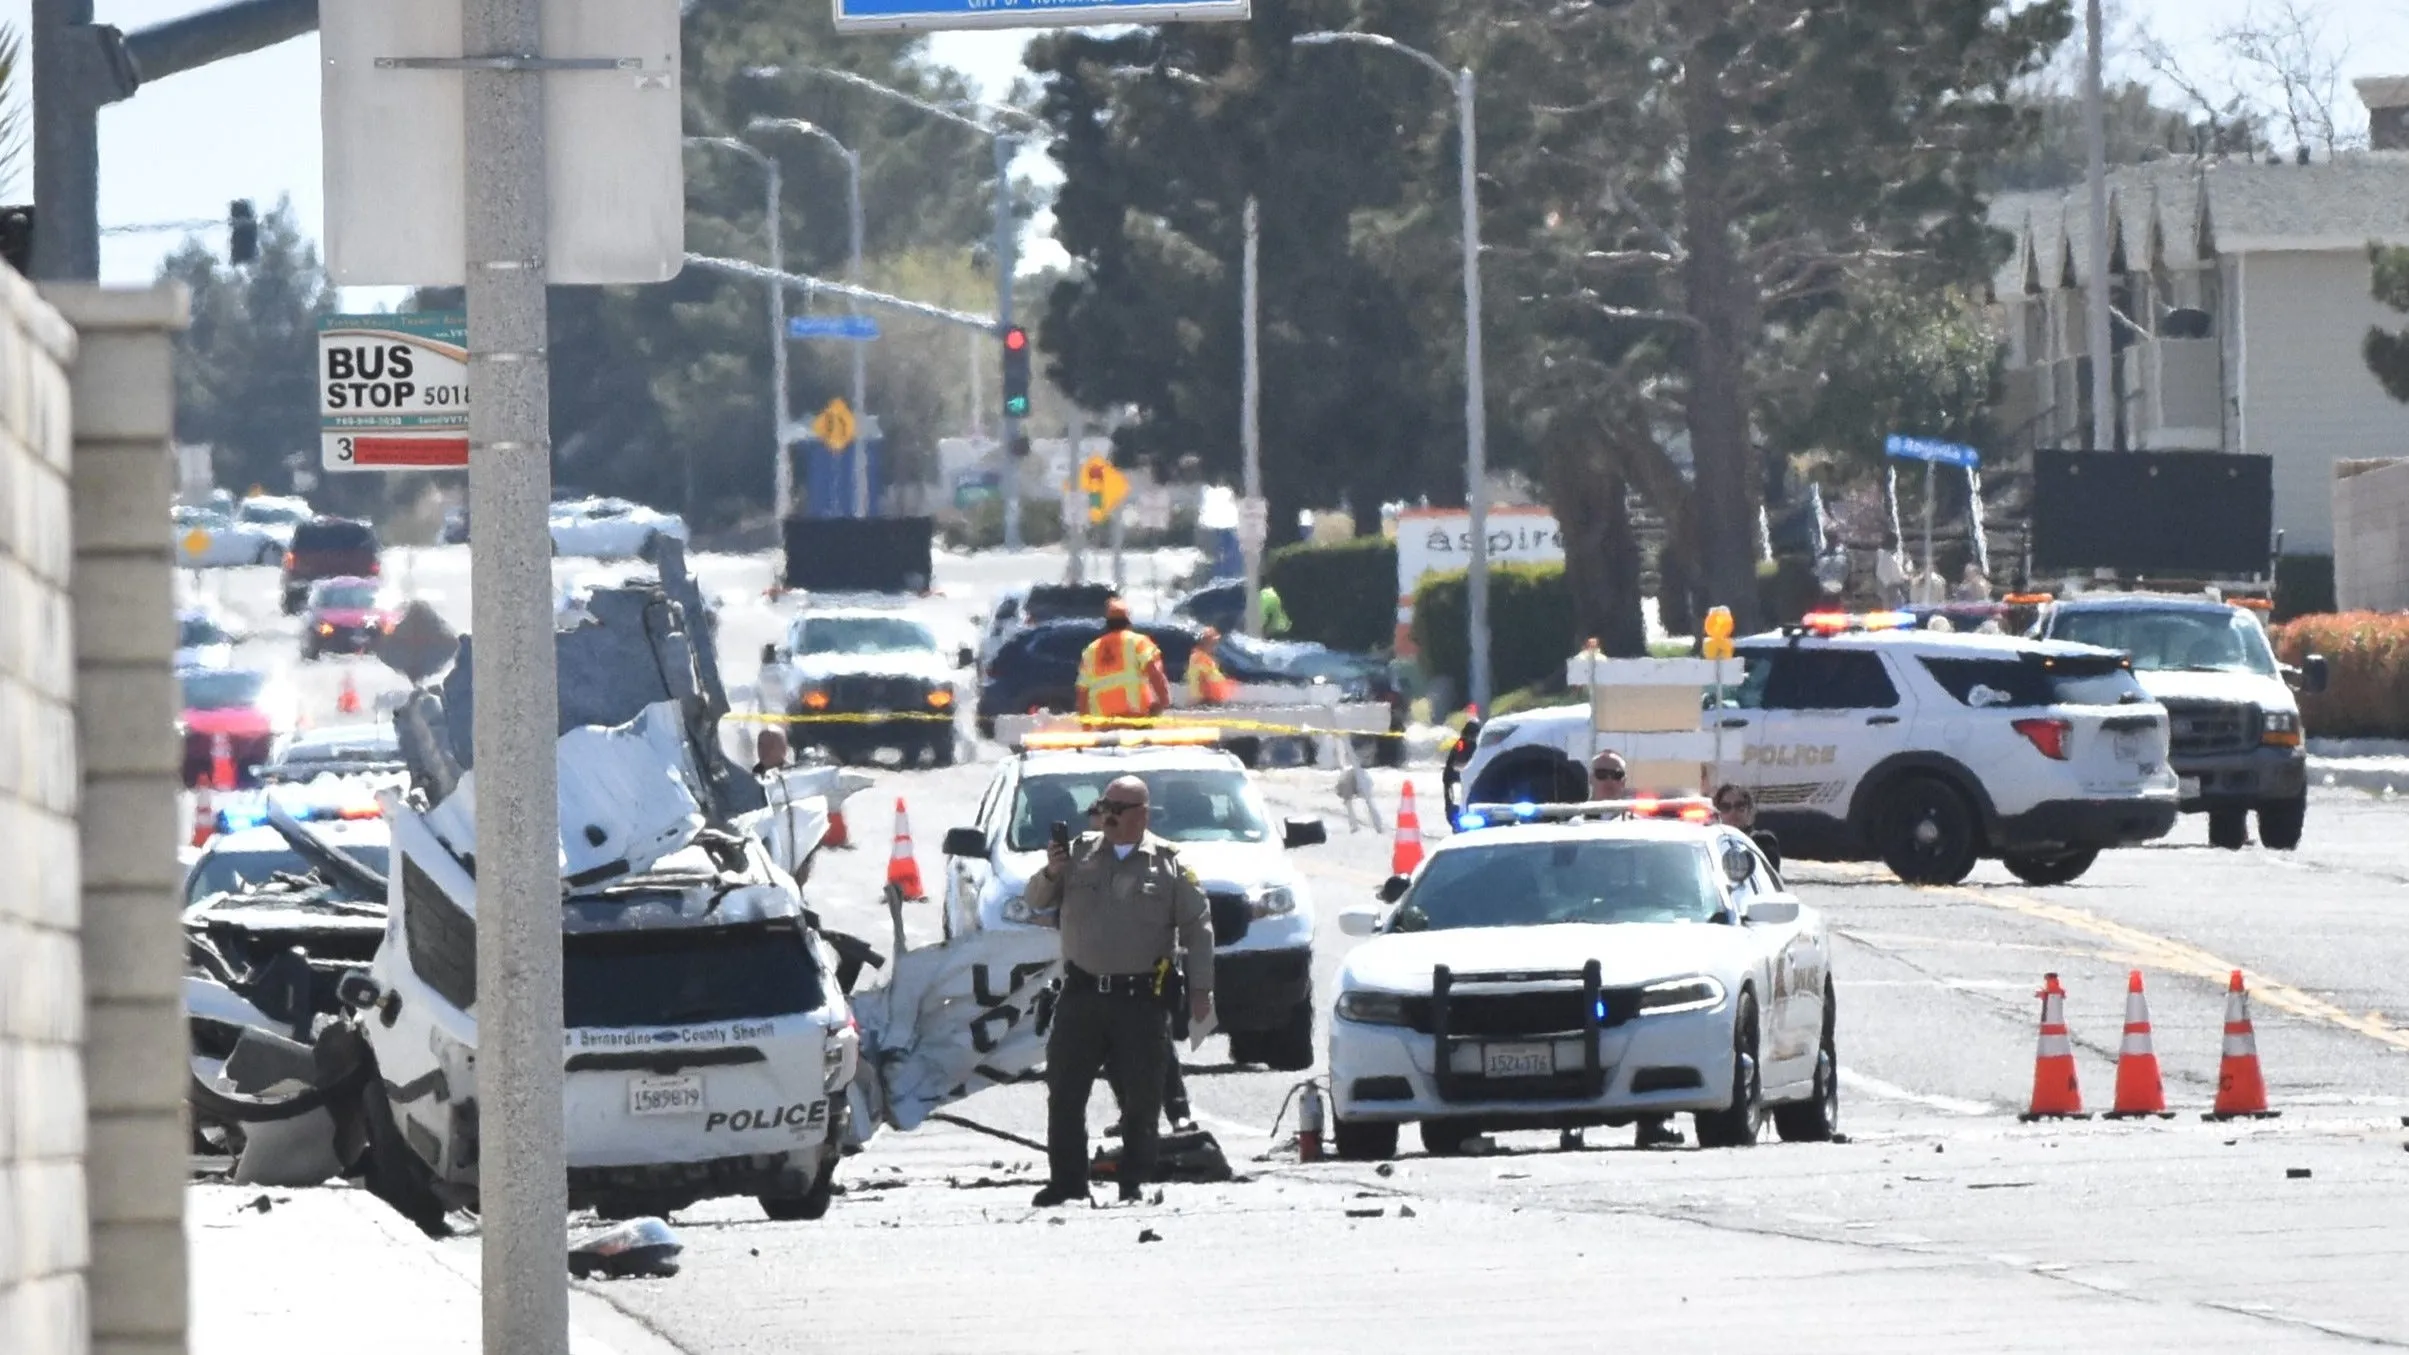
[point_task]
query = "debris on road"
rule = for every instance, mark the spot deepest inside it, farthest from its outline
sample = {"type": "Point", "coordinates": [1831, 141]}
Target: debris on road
{"type": "Point", "coordinates": [636, 1249]}
{"type": "Point", "coordinates": [1372, 1213]}
{"type": "Point", "coordinates": [2296, 1173]}
{"type": "Point", "coordinates": [1149, 1235]}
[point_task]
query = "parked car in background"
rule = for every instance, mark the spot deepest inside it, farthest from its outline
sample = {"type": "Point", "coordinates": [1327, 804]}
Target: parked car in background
{"type": "Point", "coordinates": [328, 548]}
{"type": "Point", "coordinates": [345, 616]}
{"type": "Point", "coordinates": [223, 541]}
{"type": "Point", "coordinates": [1220, 604]}
{"type": "Point", "coordinates": [455, 526]}
{"type": "Point", "coordinates": [277, 515]}
{"type": "Point", "coordinates": [200, 641]}
{"type": "Point", "coordinates": [1020, 608]}
{"type": "Point", "coordinates": [335, 750]}
{"type": "Point", "coordinates": [1038, 668]}
{"type": "Point", "coordinates": [245, 706]}
{"type": "Point", "coordinates": [609, 529]}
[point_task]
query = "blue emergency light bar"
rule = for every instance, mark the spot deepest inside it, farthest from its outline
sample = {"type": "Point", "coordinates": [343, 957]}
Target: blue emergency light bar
{"type": "Point", "coordinates": [1689, 809]}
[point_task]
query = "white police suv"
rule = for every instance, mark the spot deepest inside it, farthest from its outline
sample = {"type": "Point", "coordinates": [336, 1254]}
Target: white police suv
{"type": "Point", "coordinates": [1863, 739]}
{"type": "Point", "coordinates": [1204, 804]}
{"type": "Point", "coordinates": [1577, 965]}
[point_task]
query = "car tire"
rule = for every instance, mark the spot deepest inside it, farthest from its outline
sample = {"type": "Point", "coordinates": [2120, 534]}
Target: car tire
{"type": "Point", "coordinates": [1445, 1138]}
{"type": "Point", "coordinates": [2051, 868]}
{"type": "Point", "coordinates": [1927, 832]}
{"type": "Point", "coordinates": [811, 1205]}
{"type": "Point", "coordinates": [941, 749]}
{"type": "Point", "coordinates": [1363, 1140]}
{"type": "Point", "coordinates": [309, 653]}
{"type": "Point", "coordinates": [2229, 829]}
{"type": "Point", "coordinates": [1290, 1048]}
{"type": "Point", "coordinates": [1817, 1120]}
{"type": "Point", "coordinates": [2280, 822]}
{"type": "Point", "coordinates": [1740, 1124]}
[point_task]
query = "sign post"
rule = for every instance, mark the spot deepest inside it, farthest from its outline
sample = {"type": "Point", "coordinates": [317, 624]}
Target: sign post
{"type": "Point", "coordinates": [892, 16]}
{"type": "Point", "coordinates": [393, 391]}
{"type": "Point", "coordinates": [1935, 454]}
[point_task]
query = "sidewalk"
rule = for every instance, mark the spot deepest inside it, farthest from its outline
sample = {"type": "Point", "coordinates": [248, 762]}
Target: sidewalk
{"type": "Point", "coordinates": [334, 1268]}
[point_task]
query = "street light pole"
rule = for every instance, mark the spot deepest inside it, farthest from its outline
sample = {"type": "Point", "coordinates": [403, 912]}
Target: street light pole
{"type": "Point", "coordinates": [783, 472]}
{"type": "Point", "coordinates": [2100, 337]}
{"type": "Point", "coordinates": [1476, 414]}
{"type": "Point", "coordinates": [1251, 409]}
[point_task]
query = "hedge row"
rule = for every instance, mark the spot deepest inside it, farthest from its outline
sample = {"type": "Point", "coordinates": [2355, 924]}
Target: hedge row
{"type": "Point", "coordinates": [1530, 627]}
{"type": "Point", "coordinates": [2369, 655]}
{"type": "Point", "coordinates": [1343, 595]}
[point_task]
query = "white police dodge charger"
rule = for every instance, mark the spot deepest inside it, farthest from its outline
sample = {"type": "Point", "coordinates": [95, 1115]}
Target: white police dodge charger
{"type": "Point", "coordinates": [1583, 965]}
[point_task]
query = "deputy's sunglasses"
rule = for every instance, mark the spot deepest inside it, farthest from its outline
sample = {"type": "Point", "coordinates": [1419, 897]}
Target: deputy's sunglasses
{"type": "Point", "coordinates": [1605, 774]}
{"type": "Point", "coordinates": [1116, 808]}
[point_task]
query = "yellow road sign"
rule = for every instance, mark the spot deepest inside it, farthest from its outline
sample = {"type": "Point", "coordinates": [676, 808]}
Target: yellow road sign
{"type": "Point", "coordinates": [1104, 485]}
{"type": "Point", "coordinates": [834, 427]}
{"type": "Point", "coordinates": [196, 541]}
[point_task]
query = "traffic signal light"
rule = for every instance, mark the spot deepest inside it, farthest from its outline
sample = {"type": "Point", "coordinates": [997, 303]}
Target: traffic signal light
{"type": "Point", "coordinates": [242, 232]}
{"type": "Point", "coordinates": [1016, 372]}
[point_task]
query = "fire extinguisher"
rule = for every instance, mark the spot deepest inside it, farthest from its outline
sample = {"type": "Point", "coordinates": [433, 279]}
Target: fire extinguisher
{"type": "Point", "coordinates": [1309, 1124]}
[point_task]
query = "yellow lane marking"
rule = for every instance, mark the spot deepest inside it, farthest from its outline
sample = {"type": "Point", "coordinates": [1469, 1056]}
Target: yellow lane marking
{"type": "Point", "coordinates": [2149, 949]}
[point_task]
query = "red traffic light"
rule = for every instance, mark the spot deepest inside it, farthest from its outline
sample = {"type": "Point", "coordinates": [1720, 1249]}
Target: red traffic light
{"type": "Point", "coordinates": [1016, 339]}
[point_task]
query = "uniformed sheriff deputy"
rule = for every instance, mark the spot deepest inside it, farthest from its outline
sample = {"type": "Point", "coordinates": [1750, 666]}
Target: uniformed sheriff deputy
{"type": "Point", "coordinates": [1121, 898]}
{"type": "Point", "coordinates": [1121, 671]}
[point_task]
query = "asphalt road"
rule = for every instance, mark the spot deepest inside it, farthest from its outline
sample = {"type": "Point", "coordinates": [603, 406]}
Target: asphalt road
{"type": "Point", "coordinates": [1942, 1224]}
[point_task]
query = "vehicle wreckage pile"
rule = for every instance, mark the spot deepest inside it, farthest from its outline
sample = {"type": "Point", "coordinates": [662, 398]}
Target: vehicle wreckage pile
{"type": "Point", "coordinates": [714, 1043]}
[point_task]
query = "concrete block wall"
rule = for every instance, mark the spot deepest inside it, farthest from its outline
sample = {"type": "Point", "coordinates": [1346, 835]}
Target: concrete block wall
{"type": "Point", "coordinates": [44, 1238]}
{"type": "Point", "coordinates": [2371, 535]}
{"type": "Point", "coordinates": [135, 1064]}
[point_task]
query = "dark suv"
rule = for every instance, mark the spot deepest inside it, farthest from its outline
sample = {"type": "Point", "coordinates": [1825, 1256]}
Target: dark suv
{"type": "Point", "coordinates": [327, 548]}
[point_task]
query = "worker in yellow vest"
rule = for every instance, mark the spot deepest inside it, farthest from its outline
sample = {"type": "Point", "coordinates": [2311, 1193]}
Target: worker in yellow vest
{"type": "Point", "coordinates": [1121, 673]}
{"type": "Point", "coordinates": [1207, 684]}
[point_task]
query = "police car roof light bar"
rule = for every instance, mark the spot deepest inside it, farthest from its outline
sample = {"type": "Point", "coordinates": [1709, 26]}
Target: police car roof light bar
{"type": "Point", "coordinates": [1185, 737]}
{"type": "Point", "coordinates": [1688, 808]}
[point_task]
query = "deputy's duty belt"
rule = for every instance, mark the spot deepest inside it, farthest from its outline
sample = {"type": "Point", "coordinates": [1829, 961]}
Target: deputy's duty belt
{"type": "Point", "coordinates": [1109, 985]}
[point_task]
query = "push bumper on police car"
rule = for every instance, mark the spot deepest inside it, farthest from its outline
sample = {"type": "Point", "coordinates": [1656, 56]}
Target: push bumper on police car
{"type": "Point", "coordinates": [1531, 1050]}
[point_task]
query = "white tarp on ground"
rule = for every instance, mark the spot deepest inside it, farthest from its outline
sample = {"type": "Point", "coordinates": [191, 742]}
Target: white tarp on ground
{"type": "Point", "coordinates": [954, 1019]}
{"type": "Point", "coordinates": [626, 794]}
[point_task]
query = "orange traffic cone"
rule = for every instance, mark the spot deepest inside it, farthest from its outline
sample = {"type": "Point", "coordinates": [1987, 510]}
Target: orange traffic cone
{"type": "Point", "coordinates": [221, 762]}
{"type": "Point", "coordinates": [903, 872]}
{"type": "Point", "coordinates": [2139, 1091]}
{"type": "Point", "coordinates": [1407, 854]}
{"type": "Point", "coordinates": [347, 701]}
{"type": "Point", "coordinates": [2055, 1095]}
{"type": "Point", "coordinates": [2241, 1092]}
{"type": "Point", "coordinates": [838, 835]}
{"type": "Point", "coordinates": [204, 816]}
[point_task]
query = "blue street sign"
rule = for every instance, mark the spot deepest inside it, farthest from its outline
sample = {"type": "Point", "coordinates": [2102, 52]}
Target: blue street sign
{"type": "Point", "coordinates": [859, 328]}
{"type": "Point", "coordinates": [1903, 448]}
{"type": "Point", "coordinates": [856, 16]}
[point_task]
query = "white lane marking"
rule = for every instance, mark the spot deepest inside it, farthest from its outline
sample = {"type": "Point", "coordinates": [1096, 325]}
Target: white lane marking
{"type": "Point", "coordinates": [1966, 985]}
{"type": "Point", "coordinates": [1891, 1091]}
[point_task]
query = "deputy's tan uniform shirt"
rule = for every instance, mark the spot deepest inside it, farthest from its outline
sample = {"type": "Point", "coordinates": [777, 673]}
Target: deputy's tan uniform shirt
{"type": "Point", "coordinates": [1118, 915]}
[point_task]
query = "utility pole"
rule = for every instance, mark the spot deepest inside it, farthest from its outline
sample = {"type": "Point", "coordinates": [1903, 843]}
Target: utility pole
{"type": "Point", "coordinates": [1007, 259]}
{"type": "Point", "coordinates": [1074, 515]}
{"type": "Point", "coordinates": [2095, 135]}
{"type": "Point", "coordinates": [80, 67]}
{"type": "Point", "coordinates": [1251, 412]}
{"type": "Point", "coordinates": [523, 1171]}
{"type": "Point", "coordinates": [1476, 409]}
{"type": "Point", "coordinates": [861, 350]}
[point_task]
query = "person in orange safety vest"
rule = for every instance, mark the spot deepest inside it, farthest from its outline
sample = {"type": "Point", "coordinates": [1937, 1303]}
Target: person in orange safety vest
{"type": "Point", "coordinates": [1121, 673]}
{"type": "Point", "coordinates": [1207, 684]}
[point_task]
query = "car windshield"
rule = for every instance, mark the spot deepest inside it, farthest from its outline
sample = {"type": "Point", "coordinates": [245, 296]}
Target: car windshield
{"type": "Point", "coordinates": [193, 631]}
{"type": "Point", "coordinates": [1199, 805]}
{"type": "Point", "coordinates": [347, 597]}
{"type": "Point", "coordinates": [218, 872]}
{"type": "Point", "coordinates": [2174, 639]}
{"type": "Point", "coordinates": [1534, 884]}
{"type": "Point", "coordinates": [863, 635]}
{"type": "Point", "coordinates": [229, 689]}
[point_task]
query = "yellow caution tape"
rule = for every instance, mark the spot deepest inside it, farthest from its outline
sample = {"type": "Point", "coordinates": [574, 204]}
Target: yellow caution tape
{"type": "Point", "coordinates": [1216, 721]}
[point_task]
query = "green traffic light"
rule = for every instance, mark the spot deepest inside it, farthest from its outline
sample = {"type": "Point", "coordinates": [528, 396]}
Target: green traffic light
{"type": "Point", "coordinates": [1017, 406]}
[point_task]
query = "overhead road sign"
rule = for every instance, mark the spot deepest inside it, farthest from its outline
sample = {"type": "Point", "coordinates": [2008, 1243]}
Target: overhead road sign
{"type": "Point", "coordinates": [856, 328]}
{"type": "Point", "coordinates": [1903, 448]}
{"type": "Point", "coordinates": [393, 391]}
{"type": "Point", "coordinates": [891, 16]}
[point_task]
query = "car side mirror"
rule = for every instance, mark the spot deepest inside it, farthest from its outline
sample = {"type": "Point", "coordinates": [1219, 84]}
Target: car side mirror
{"type": "Point", "coordinates": [769, 655]}
{"type": "Point", "coordinates": [1296, 833]}
{"type": "Point", "coordinates": [965, 842]}
{"type": "Point", "coordinates": [2317, 674]}
{"type": "Point", "coordinates": [358, 991]}
{"type": "Point", "coordinates": [1393, 888]}
{"type": "Point", "coordinates": [1358, 921]}
{"type": "Point", "coordinates": [1737, 863]}
{"type": "Point", "coordinates": [965, 657]}
{"type": "Point", "coordinates": [1772, 912]}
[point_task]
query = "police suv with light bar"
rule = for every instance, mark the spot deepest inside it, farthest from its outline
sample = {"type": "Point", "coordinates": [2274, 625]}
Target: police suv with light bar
{"type": "Point", "coordinates": [1563, 966]}
{"type": "Point", "coordinates": [1203, 803]}
{"type": "Point", "coordinates": [1862, 738]}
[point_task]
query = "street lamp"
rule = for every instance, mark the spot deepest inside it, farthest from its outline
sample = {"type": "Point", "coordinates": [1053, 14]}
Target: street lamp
{"type": "Point", "coordinates": [1476, 418]}
{"type": "Point", "coordinates": [1007, 257]}
{"type": "Point", "coordinates": [853, 274]}
{"type": "Point", "coordinates": [784, 484]}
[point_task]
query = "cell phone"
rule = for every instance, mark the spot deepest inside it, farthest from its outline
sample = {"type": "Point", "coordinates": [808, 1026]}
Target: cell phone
{"type": "Point", "coordinates": [1060, 835]}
